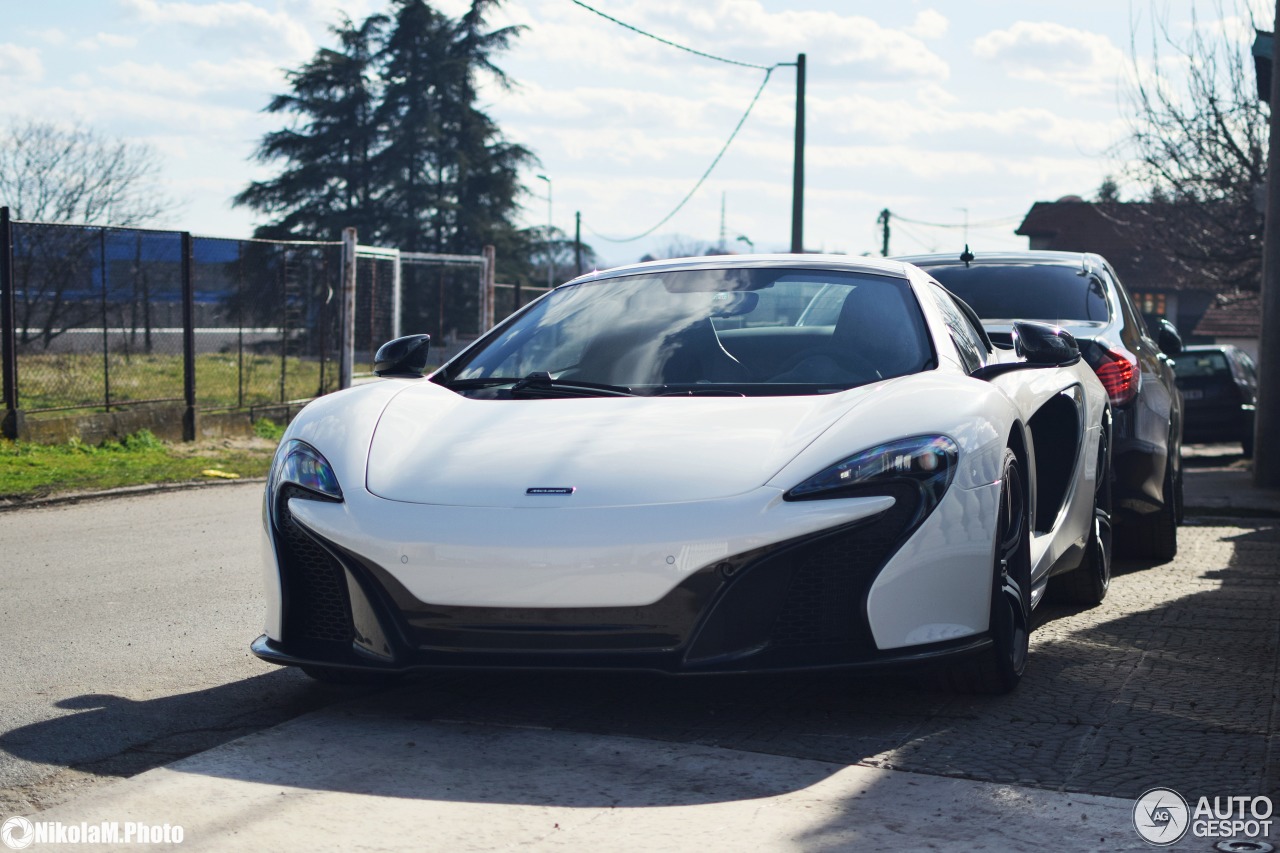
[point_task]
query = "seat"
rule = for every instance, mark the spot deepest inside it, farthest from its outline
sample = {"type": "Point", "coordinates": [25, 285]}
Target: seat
{"type": "Point", "coordinates": [694, 354]}
{"type": "Point", "coordinates": [873, 339]}
{"type": "Point", "coordinates": [656, 355]}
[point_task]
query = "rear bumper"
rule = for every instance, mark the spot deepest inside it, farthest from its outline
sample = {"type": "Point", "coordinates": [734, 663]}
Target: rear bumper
{"type": "Point", "coordinates": [1217, 423]}
{"type": "Point", "coordinates": [1138, 464]}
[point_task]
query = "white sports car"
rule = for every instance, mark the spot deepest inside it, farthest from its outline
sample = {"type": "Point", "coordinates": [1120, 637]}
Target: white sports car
{"type": "Point", "coordinates": [718, 464]}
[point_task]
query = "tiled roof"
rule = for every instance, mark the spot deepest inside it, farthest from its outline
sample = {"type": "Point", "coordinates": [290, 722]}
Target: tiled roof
{"type": "Point", "coordinates": [1232, 316]}
{"type": "Point", "coordinates": [1122, 232]}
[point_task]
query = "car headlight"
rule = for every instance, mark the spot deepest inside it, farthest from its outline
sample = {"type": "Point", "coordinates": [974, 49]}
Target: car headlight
{"type": "Point", "coordinates": [299, 464]}
{"type": "Point", "coordinates": [927, 462]}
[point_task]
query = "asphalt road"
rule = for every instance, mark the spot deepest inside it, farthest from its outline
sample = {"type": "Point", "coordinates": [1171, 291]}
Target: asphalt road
{"type": "Point", "coordinates": [127, 623]}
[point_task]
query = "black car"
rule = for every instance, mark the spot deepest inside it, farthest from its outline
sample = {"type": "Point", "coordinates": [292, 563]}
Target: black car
{"type": "Point", "coordinates": [1081, 292]}
{"type": "Point", "coordinates": [1220, 386]}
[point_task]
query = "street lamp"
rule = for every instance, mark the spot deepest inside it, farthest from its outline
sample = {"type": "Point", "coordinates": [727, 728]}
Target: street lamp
{"type": "Point", "coordinates": [743, 238]}
{"type": "Point", "coordinates": [550, 260]}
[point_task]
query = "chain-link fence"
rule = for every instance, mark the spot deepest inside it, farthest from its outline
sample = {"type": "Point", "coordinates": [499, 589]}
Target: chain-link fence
{"type": "Point", "coordinates": [100, 318]}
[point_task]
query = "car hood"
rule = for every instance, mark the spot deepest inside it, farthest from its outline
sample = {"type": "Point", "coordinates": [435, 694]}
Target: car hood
{"type": "Point", "coordinates": [433, 446]}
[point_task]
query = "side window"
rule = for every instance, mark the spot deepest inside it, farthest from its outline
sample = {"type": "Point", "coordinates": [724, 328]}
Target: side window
{"type": "Point", "coordinates": [968, 340]}
{"type": "Point", "coordinates": [1246, 364]}
{"type": "Point", "coordinates": [1131, 314]}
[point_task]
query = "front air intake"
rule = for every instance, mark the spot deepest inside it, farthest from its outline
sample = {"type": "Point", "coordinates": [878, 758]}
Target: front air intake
{"type": "Point", "coordinates": [316, 604]}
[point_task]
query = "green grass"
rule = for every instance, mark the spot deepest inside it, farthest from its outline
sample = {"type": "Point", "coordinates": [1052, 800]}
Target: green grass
{"type": "Point", "coordinates": [79, 379]}
{"type": "Point", "coordinates": [37, 470]}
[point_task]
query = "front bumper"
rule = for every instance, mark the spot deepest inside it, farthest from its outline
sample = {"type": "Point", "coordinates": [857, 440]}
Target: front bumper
{"type": "Point", "coordinates": [798, 604]}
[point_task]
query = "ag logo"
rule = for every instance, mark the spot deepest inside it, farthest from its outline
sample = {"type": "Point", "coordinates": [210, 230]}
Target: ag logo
{"type": "Point", "coordinates": [1161, 816]}
{"type": "Point", "coordinates": [17, 833]}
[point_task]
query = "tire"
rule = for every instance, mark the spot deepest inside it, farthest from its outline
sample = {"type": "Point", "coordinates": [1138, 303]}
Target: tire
{"type": "Point", "coordinates": [1088, 584]}
{"type": "Point", "coordinates": [999, 668]}
{"type": "Point", "coordinates": [350, 677]}
{"type": "Point", "coordinates": [1154, 536]}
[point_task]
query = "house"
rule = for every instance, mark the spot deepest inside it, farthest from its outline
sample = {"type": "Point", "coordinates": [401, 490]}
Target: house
{"type": "Point", "coordinates": [1160, 285]}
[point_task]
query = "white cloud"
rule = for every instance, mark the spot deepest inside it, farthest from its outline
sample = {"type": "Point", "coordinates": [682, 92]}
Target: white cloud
{"type": "Point", "coordinates": [929, 24]}
{"type": "Point", "coordinates": [22, 63]}
{"type": "Point", "coordinates": [741, 30]}
{"type": "Point", "coordinates": [107, 40]}
{"type": "Point", "coordinates": [147, 78]}
{"type": "Point", "coordinates": [1078, 61]}
{"type": "Point", "coordinates": [241, 24]}
{"type": "Point", "coordinates": [52, 36]}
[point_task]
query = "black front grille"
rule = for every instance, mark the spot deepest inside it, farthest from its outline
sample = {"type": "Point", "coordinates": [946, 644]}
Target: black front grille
{"type": "Point", "coordinates": [804, 603]}
{"type": "Point", "coordinates": [825, 603]}
{"type": "Point", "coordinates": [316, 608]}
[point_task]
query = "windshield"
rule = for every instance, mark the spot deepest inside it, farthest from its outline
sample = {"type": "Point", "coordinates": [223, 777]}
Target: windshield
{"type": "Point", "coordinates": [1013, 291]}
{"type": "Point", "coordinates": [739, 331]}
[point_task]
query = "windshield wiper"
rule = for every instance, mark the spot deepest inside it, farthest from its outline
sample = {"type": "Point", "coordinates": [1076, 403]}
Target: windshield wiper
{"type": "Point", "coordinates": [541, 384]}
{"type": "Point", "coordinates": [487, 382]}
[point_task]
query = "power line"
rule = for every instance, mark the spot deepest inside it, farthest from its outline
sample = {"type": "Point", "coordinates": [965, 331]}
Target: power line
{"type": "Point", "coordinates": [927, 245]}
{"type": "Point", "coordinates": [768, 72]}
{"type": "Point", "coordinates": [669, 43]}
{"type": "Point", "coordinates": [988, 223]}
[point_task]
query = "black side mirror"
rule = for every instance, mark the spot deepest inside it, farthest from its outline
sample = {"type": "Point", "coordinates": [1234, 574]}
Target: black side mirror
{"type": "Point", "coordinates": [1043, 344]}
{"type": "Point", "coordinates": [1168, 339]}
{"type": "Point", "coordinates": [405, 356]}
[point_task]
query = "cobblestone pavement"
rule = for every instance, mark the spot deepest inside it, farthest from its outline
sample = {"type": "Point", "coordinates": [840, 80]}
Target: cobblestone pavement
{"type": "Point", "coordinates": [1171, 682]}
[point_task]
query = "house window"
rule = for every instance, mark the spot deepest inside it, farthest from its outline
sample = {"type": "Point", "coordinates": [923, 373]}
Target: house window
{"type": "Point", "coordinates": [1150, 303]}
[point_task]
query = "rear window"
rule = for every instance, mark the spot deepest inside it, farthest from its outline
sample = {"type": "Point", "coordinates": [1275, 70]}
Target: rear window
{"type": "Point", "coordinates": [1026, 291]}
{"type": "Point", "coordinates": [1193, 364]}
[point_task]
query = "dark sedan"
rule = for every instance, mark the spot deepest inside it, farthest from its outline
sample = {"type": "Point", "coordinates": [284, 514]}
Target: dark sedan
{"type": "Point", "coordinates": [1220, 386]}
{"type": "Point", "coordinates": [1081, 292]}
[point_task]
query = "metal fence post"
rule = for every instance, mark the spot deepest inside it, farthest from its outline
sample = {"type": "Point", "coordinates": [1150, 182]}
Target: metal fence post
{"type": "Point", "coordinates": [188, 339]}
{"type": "Point", "coordinates": [106, 331]}
{"type": "Point", "coordinates": [347, 311]}
{"type": "Point", "coordinates": [8, 327]}
{"type": "Point", "coordinates": [489, 272]}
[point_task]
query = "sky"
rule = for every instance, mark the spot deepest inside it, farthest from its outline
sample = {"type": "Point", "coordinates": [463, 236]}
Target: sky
{"type": "Point", "coordinates": [942, 112]}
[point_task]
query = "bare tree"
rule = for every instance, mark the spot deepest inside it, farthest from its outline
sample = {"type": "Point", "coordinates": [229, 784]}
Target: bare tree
{"type": "Point", "coordinates": [1198, 147]}
{"type": "Point", "coordinates": [71, 175]}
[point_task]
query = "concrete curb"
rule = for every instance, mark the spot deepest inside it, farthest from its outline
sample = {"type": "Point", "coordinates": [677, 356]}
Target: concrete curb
{"type": "Point", "coordinates": [9, 504]}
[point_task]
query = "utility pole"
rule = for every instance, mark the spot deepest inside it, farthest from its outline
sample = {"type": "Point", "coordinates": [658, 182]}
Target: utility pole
{"type": "Point", "coordinates": [550, 247]}
{"type": "Point", "coordinates": [577, 241]}
{"type": "Point", "coordinates": [720, 246]}
{"type": "Point", "coordinates": [797, 190]}
{"type": "Point", "coordinates": [1266, 455]}
{"type": "Point", "coordinates": [883, 221]}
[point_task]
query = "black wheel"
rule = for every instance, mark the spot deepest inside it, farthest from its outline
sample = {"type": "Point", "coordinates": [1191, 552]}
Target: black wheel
{"type": "Point", "coordinates": [350, 677]}
{"type": "Point", "coordinates": [1154, 536]}
{"type": "Point", "coordinates": [1089, 583]}
{"type": "Point", "coordinates": [999, 668]}
{"type": "Point", "coordinates": [1246, 441]}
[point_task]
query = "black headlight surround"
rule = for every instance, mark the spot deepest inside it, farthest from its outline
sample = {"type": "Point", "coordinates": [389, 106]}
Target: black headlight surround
{"type": "Point", "coordinates": [300, 471]}
{"type": "Point", "coordinates": [924, 462]}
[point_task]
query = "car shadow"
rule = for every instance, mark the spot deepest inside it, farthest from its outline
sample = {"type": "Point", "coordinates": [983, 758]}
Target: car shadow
{"type": "Point", "coordinates": [109, 735]}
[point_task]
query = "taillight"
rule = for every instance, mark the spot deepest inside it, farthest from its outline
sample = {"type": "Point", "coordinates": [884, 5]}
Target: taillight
{"type": "Point", "coordinates": [1119, 374]}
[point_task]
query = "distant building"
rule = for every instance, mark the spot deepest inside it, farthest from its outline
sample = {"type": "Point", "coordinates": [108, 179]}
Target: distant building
{"type": "Point", "coordinates": [1160, 285]}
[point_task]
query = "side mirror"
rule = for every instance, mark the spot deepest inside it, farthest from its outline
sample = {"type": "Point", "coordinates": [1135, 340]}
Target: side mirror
{"type": "Point", "coordinates": [1046, 345]}
{"type": "Point", "coordinates": [405, 356]}
{"type": "Point", "coordinates": [1168, 339]}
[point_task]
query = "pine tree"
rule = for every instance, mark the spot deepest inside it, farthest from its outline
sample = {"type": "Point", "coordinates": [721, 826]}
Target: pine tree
{"type": "Point", "coordinates": [452, 179]}
{"type": "Point", "coordinates": [328, 180]}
